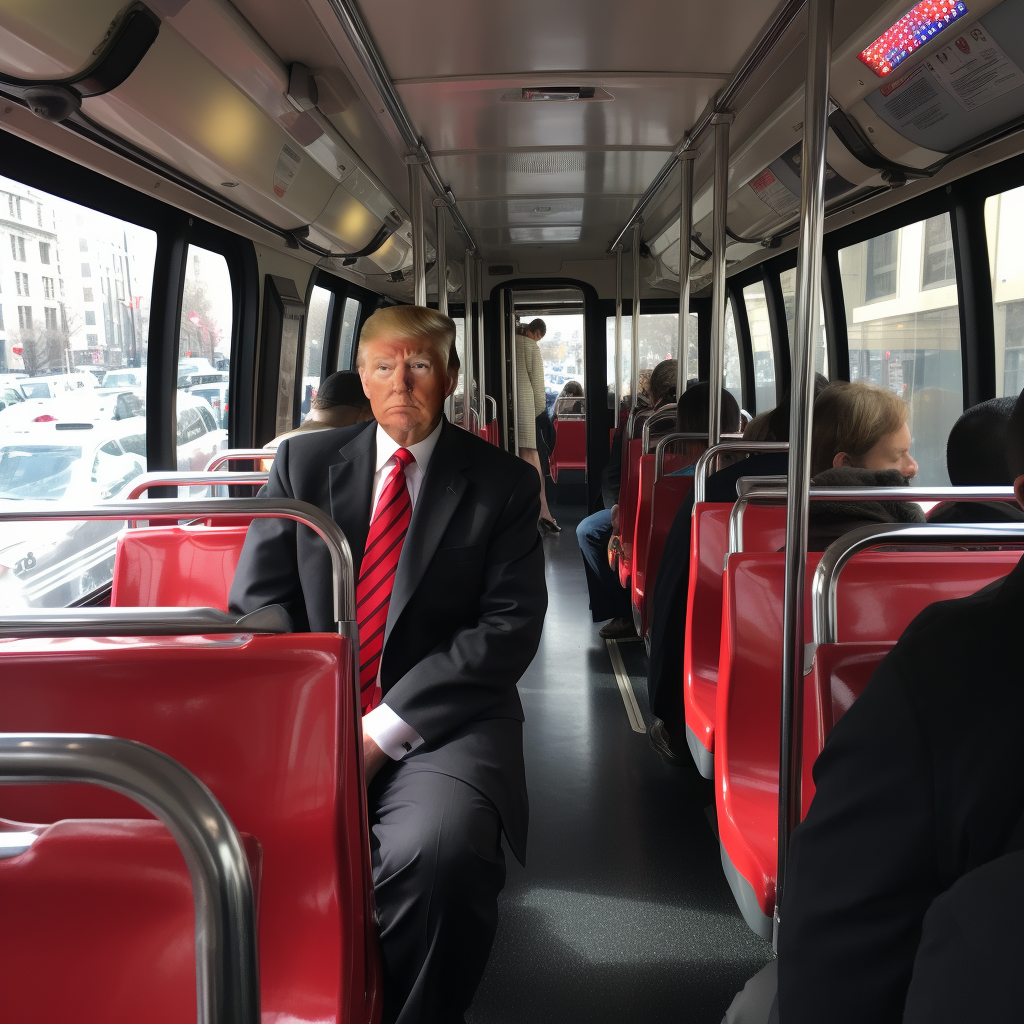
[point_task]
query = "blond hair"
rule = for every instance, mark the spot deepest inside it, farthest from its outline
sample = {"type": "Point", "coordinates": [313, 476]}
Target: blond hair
{"type": "Point", "coordinates": [853, 418]}
{"type": "Point", "coordinates": [411, 323]}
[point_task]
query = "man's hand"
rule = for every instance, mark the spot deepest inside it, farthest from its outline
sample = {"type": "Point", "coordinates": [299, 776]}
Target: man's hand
{"type": "Point", "coordinates": [373, 758]}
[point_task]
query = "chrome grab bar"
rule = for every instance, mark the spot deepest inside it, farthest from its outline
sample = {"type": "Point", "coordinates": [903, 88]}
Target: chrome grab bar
{"type": "Point", "coordinates": [771, 490]}
{"type": "Point", "coordinates": [825, 585]}
{"type": "Point", "coordinates": [494, 407]}
{"type": "Point", "coordinates": [664, 442]}
{"type": "Point", "coordinates": [227, 965]}
{"type": "Point", "coordinates": [239, 455]}
{"type": "Point", "coordinates": [658, 415]}
{"type": "Point", "coordinates": [143, 483]}
{"type": "Point", "coordinates": [738, 447]}
{"type": "Point", "coordinates": [258, 508]}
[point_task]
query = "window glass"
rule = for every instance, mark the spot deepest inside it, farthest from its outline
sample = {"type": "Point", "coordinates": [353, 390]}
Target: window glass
{"type": "Point", "coordinates": [562, 352]}
{"type": "Point", "coordinates": [313, 351]}
{"type": "Point", "coordinates": [787, 280]}
{"type": "Point", "coordinates": [733, 376]}
{"type": "Point", "coordinates": [659, 340]}
{"type": "Point", "coordinates": [204, 351]}
{"type": "Point", "coordinates": [458, 397]}
{"type": "Point", "coordinates": [761, 342]}
{"type": "Point", "coordinates": [347, 342]}
{"type": "Point", "coordinates": [1003, 215]}
{"type": "Point", "coordinates": [63, 439]}
{"type": "Point", "coordinates": [909, 342]}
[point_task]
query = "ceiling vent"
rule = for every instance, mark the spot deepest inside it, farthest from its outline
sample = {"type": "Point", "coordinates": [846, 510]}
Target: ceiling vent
{"type": "Point", "coordinates": [500, 270]}
{"type": "Point", "coordinates": [556, 94]}
{"type": "Point", "coordinates": [546, 163]}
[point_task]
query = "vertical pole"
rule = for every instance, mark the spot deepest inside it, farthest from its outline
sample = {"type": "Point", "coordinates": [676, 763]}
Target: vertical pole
{"type": "Point", "coordinates": [441, 267]}
{"type": "Point", "coordinates": [808, 295]}
{"type": "Point", "coordinates": [512, 415]}
{"type": "Point", "coordinates": [618, 335]}
{"type": "Point", "coordinates": [481, 360]}
{"type": "Point", "coordinates": [468, 270]}
{"type": "Point", "coordinates": [634, 358]}
{"type": "Point", "coordinates": [419, 256]}
{"type": "Point", "coordinates": [685, 230]}
{"type": "Point", "coordinates": [716, 374]}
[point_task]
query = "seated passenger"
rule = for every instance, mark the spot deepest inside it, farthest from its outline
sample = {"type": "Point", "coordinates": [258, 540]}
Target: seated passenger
{"type": "Point", "coordinates": [861, 438]}
{"type": "Point", "coordinates": [976, 457]}
{"type": "Point", "coordinates": [564, 404]}
{"type": "Point", "coordinates": [672, 581]}
{"type": "Point", "coordinates": [340, 402]}
{"type": "Point", "coordinates": [608, 600]}
{"type": "Point", "coordinates": [919, 784]}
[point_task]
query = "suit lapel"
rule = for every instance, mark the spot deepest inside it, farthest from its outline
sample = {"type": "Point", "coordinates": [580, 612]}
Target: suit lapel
{"type": "Point", "coordinates": [351, 487]}
{"type": "Point", "coordinates": [440, 493]}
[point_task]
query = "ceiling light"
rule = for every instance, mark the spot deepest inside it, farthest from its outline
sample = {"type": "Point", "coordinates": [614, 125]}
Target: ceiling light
{"type": "Point", "coordinates": [559, 92]}
{"type": "Point", "coordinates": [548, 233]}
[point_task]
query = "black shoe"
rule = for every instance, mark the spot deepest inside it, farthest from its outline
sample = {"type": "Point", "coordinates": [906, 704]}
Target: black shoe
{"type": "Point", "coordinates": [549, 526]}
{"type": "Point", "coordinates": [661, 740]}
{"type": "Point", "coordinates": [621, 629]}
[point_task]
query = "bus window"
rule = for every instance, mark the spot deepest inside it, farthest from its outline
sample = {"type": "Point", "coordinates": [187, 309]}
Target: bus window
{"type": "Point", "coordinates": [204, 349]}
{"type": "Point", "coordinates": [73, 358]}
{"type": "Point", "coordinates": [349, 322]}
{"type": "Point", "coordinates": [312, 355]}
{"type": "Point", "coordinates": [903, 325]}
{"type": "Point", "coordinates": [1006, 258]}
{"type": "Point", "coordinates": [733, 376]}
{"type": "Point", "coordinates": [761, 342]}
{"type": "Point", "coordinates": [460, 349]}
{"type": "Point", "coordinates": [659, 340]}
{"type": "Point", "coordinates": [787, 280]}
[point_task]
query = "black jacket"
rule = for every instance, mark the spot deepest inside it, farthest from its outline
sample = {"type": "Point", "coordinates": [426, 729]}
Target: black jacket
{"type": "Point", "coordinates": [976, 512]}
{"type": "Point", "coordinates": [468, 602]}
{"type": "Point", "coordinates": [919, 783]}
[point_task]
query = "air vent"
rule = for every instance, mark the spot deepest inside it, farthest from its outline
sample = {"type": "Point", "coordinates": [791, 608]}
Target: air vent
{"type": "Point", "coordinates": [556, 94]}
{"type": "Point", "coordinates": [500, 270]}
{"type": "Point", "coordinates": [546, 163]}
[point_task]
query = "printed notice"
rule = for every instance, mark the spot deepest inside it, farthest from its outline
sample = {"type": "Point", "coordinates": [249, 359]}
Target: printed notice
{"type": "Point", "coordinates": [288, 164]}
{"type": "Point", "coordinates": [775, 195]}
{"type": "Point", "coordinates": [974, 69]}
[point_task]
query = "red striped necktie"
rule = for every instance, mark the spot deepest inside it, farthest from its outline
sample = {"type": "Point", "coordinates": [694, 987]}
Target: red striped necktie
{"type": "Point", "coordinates": [377, 574]}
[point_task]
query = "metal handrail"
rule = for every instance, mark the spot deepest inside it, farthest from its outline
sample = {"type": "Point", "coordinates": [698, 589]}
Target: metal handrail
{"type": "Point", "coordinates": [664, 442]}
{"type": "Point", "coordinates": [771, 490]}
{"type": "Point", "coordinates": [701, 470]}
{"type": "Point", "coordinates": [143, 483]}
{"type": "Point", "coordinates": [825, 585]}
{"type": "Point", "coordinates": [659, 415]}
{"type": "Point", "coordinates": [494, 407]}
{"type": "Point", "coordinates": [257, 508]}
{"type": "Point", "coordinates": [722, 103]}
{"type": "Point", "coordinates": [227, 964]}
{"type": "Point", "coordinates": [239, 455]}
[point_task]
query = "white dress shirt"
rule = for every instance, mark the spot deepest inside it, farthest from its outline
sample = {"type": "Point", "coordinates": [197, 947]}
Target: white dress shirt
{"type": "Point", "coordinates": [395, 737]}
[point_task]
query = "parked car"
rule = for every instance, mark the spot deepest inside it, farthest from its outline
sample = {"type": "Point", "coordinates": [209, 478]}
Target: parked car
{"type": "Point", "coordinates": [79, 406]}
{"type": "Point", "coordinates": [199, 437]}
{"type": "Point", "coordinates": [55, 384]}
{"type": "Point", "coordinates": [135, 378]}
{"type": "Point", "coordinates": [217, 395]}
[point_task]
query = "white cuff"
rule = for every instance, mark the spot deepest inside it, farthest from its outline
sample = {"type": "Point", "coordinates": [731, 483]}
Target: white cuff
{"type": "Point", "coordinates": [395, 737]}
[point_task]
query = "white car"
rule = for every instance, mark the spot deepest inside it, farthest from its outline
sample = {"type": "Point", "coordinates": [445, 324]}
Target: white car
{"type": "Point", "coordinates": [86, 406]}
{"type": "Point", "coordinates": [199, 437]}
{"type": "Point", "coordinates": [135, 378]}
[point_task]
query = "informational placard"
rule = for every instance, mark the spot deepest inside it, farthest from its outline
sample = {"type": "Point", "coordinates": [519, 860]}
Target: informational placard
{"type": "Point", "coordinates": [971, 86]}
{"type": "Point", "coordinates": [775, 195]}
{"type": "Point", "coordinates": [288, 163]}
{"type": "Point", "coordinates": [778, 185]}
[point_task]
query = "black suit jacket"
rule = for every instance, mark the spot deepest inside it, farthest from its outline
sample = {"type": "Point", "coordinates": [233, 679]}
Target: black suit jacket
{"type": "Point", "coordinates": [919, 783]}
{"type": "Point", "coordinates": [467, 606]}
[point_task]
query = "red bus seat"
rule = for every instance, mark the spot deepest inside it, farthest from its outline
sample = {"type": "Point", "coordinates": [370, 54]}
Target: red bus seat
{"type": "Point", "coordinates": [176, 566]}
{"type": "Point", "coordinates": [667, 497]}
{"type": "Point", "coordinates": [629, 493]}
{"type": "Point", "coordinates": [570, 451]}
{"type": "Point", "coordinates": [267, 723]}
{"type": "Point", "coordinates": [122, 894]}
{"type": "Point", "coordinates": [880, 593]}
{"type": "Point", "coordinates": [764, 529]}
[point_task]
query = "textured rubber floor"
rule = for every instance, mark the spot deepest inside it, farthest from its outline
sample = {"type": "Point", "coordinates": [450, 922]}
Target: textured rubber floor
{"type": "Point", "coordinates": [622, 913]}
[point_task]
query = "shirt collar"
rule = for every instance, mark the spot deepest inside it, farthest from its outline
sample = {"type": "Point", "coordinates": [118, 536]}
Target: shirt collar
{"type": "Point", "coordinates": [421, 451]}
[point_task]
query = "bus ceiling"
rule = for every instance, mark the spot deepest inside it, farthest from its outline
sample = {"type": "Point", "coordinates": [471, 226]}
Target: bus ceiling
{"type": "Point", "coordinates": [541, 132]}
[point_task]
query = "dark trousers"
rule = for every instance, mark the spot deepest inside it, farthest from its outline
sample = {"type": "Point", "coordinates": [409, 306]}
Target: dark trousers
{"type": "Point", "coordinates": [438, 867]}
{"type": "Point", "coordinates": [608, 600]}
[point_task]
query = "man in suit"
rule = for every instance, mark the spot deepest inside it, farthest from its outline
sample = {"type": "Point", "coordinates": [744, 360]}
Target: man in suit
{"type": "Point", "coordinates": [450, 604]}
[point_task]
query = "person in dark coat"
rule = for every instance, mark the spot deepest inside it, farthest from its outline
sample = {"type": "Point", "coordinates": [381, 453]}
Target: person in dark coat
{"type": "Point", "coordinates": [976, 457]}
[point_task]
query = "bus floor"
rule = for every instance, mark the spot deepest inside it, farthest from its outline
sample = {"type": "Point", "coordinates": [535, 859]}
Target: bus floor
{"type": "Point", "coordinates": [622, 912]}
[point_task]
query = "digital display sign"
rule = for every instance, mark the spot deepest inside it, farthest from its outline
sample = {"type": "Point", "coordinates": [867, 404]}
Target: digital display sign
{"type": "Point", "coordinates": [920, 24]}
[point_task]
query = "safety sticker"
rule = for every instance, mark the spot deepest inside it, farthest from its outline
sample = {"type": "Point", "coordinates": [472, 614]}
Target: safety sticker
{"type": "Point", "coordinates": [288, 164]}
{"type": "Point", "coordinates": [775, 195]}
{"type": "Point", "coordinates": [974, 70]}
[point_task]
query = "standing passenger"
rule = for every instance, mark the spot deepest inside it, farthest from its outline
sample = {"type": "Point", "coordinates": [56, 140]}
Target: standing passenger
{"type": "Point", "coordinates": [450, 605]}
{"type": "Point", "coordinates": [532, 401]}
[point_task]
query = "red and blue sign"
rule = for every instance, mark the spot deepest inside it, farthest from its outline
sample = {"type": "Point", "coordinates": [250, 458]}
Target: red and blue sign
{"type": "Point", "coordinates": [918, 26]}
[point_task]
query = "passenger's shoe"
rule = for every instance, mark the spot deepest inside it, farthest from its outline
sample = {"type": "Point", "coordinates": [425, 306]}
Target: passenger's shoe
{"type": "Point", "coordinates": [548, 526]}
{"type": "Point", "coordinates": [621, 629]}
{"type": "Point", "coordinates": [661, 740]}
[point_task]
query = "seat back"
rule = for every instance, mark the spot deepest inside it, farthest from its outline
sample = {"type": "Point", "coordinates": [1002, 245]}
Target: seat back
{"type": "Point", "coordinates": [879, 595]}
{"type": "Point", "coordinates": [268, 724]}
{"type": "Point", "coordinates": [176, 566]}
{"type": "Point", "coordinates": [642, 529]}
{"type": "Point", "coordinates": [570, 451]}
{"type": "Point", "coordinates": [764, 530]}
{"type": "Point", "coordinates": [629, 494]}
